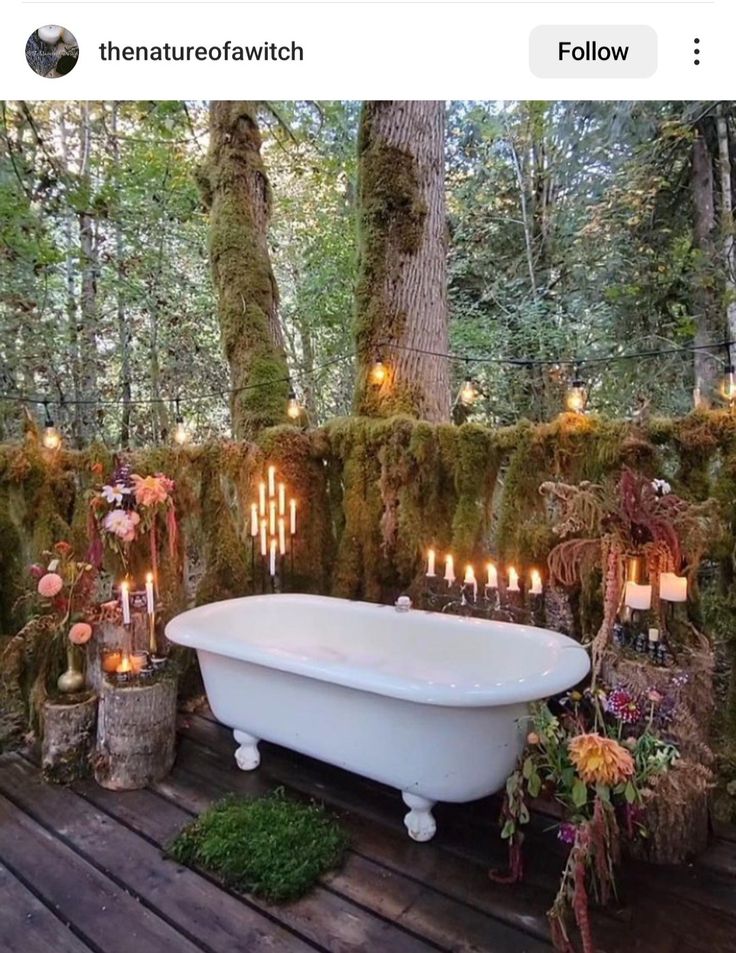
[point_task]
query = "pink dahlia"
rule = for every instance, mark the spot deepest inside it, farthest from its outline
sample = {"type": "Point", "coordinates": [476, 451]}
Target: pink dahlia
{"type": "Point", "coordinates": [624, 706]}
{"type": "Point", "coordinates": [80, 633]}
{"type": "Point", "coordinates": [122, 524]}
{"type": "Point", "coordinates": [50, 585]}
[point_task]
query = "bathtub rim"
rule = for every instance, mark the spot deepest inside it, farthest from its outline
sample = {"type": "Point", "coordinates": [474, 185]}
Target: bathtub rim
{"type": "Point", "coordinates": [572, 666]}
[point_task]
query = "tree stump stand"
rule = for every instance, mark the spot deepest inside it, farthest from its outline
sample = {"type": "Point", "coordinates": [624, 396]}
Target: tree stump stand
{"type": "Point", "coordinates": [68, 737]}
{"type": "Point", "coordinates": [136, 734]}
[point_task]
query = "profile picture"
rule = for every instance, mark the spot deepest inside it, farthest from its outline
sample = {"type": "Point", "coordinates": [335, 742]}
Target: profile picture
{"type": "Point", "coordinates": [52, 51]}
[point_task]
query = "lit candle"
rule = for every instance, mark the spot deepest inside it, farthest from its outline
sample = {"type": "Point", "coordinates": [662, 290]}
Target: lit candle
{"type": "Point", "coordinates": [654, 635]}
{"type": "Point", "coordinates": [492, 576]}
{"type": "Point", "coordinates": [449, 570]}
{"type": "Point", "coordinates": [292, 509]}
{"type": "Point", "coordinates": [124, 667]}
{"type": "Point", "coordinates": [253, 520]}
{"type": "Point", "coordinates": [271, 481]}
{"type": "Point", "coordinates": [282, 499]}
{"type": "Point", "coordinates": [470, 579]}
{"type": "Point", "coordinates": [513, 580]}
{"type": "Point", "coordinates": [264, 539]}
{"type": "Point", "coordinates": [672, 588]}
{"type": "Point", "coordinates": [125, 599]}
{"type": "Point", "coordinates": [536, 587]}
{"type": "Point", "coordinates": [431, 557]}
{"type": "Point", "coordinates": [272, 562]}
{"type": "Point", "coordinates": [637, 596]}
{"type": "Point", "coordinates": [149, 593]}
{"type": "Point", "coordinates": [262, 498]}
{"type": "Point", "coordinates": [282, 535]}
{"type": "Point", "coordinates": [272, 517]}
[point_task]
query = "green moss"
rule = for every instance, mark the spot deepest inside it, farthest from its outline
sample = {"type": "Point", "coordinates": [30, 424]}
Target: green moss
{"type": "Point", "coordinates": [271, 846]}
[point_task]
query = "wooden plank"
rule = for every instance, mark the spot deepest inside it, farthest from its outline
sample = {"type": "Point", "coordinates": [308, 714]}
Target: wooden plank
{"type": "Point", "coordinates": [27, 926]}
{"type": "Point", "coordinates": [449, 924]}
{"type": "Point", "coordinates": [104, 915]}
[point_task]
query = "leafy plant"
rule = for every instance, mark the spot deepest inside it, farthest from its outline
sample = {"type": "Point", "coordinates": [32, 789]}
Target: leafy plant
{"type": "Point", "coordinates": [270, 846]}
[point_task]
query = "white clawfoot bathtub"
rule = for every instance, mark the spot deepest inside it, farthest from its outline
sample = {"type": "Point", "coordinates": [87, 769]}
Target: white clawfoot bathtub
{"type": "Point", "coordinates": [430, 704]}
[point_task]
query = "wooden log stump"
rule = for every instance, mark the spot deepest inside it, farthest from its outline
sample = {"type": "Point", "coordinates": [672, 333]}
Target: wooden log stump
{"type": "Point", "coordinates": [68, 737]}
{"type": "Point", "coordinates": [136, 733]}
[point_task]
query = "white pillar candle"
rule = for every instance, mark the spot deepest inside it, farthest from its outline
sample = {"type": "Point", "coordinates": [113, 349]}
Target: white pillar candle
{"type": "Point", "coordinates": [513, 580]}
{"type": "Point", "coordinates": [492, 576]}
{"type": "Point", "coordinates": [449, 570]}
{"type": "Point", "coordinates": [264, 539]}
{"type": "Point", "coordinates": [282, 499]}
{"type": "Point", "coordinates": [536, 587]}
{"type": "Point", "coordinates": [282, 535]}
{"type": "Point", "coordinates": [125, 599]}
{"type": "Point", "coordinates": [149, 594]}
{"type": "Point", "coordinates": [672, 588]}
{"type": "Point", "coordinates": [272, 561]}
{"type": "Point", "coordinates": [254, 519]}
{"type": "Point", "coordinates": [292, 509]}
{"type": "Point", "coordinates": [262, 498]}
{"type": "Point", "coordinates": [638, 596]}
{"type": "Point", "coordinates": [272, 517]}
{"type": "Point", "coordinates": [431, 557]}
{"type": "Point", "coordinates": [470, 579]}
{"type": "Point", "coordinates": [271, 481]}
{"type": "Point", "coordinates": [654, 635]}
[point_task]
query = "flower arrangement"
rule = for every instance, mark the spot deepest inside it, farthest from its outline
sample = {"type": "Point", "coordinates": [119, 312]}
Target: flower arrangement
{"type": "Point", "coordinates": [598, 754]}
{"type": "Point", "coordinates": [128, 508]}
{"type": "Point", "coordinates": [64, 589]}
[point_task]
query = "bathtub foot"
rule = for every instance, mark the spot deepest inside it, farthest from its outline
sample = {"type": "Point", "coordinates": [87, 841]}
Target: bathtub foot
{"type": "Point", "coordinates": [419, 821]}
{"type": "Point", "coordinates": [247, 755]}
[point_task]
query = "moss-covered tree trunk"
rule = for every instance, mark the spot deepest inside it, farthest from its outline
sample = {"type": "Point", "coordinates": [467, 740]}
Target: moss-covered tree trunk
{"type": "Point", "coordinates": [237, 190]}
{"type": "Point", "coordinates": [708, 326]}
{"type": "Point", "coordinates": [401, 293]}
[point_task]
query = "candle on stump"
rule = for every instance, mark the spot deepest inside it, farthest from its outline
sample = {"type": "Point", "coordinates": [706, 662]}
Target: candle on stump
{"type": "Point", "coordinates": [449, 570]}
{"type": "Point", "coordinates": [254, 519]}
{"type": "Point", "coordinates": [262, 498]}
{"type": "Point", "coordinates": [124, 666]}
{"type": "Point", "coordinates": [492, 582]}
{"type": "Point", "coordinates": [513, 585]}
{"type": "Point", "coordinates": [272, 560]}
{"type": "Point", "coordinates": [125, 600]}
{"type": "Point", "coordinates": [282, 499]}
{"type": "Point", "coordinates": [292, 511]}
{"type": "Point", "coordinates": [264, 539]}
{"type": "Point", "coordinates": [271, 481]}
{"type": "Point", "coordinates": [672, 588]}
{"type": "Point", "coordinates": [536, 586]}
{"type": "Point", "coordinates": [431, 557]}
{"type": "Point", "coordinates": [638, 596]}
{"type": "Point", "coordinates": [282, 535]}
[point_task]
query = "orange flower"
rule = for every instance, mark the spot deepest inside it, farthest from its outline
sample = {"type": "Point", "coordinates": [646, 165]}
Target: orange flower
{"type": "Point", "coordinates": [149, 490]}
{"type": "Point", "coordinates": [600, 760]}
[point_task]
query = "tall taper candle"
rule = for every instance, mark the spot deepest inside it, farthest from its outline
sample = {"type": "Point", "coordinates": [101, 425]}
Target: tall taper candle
{"type": "Point", "coordinates": [262, 498]}
{"type": "Point", "coordinates": [449, 570]}
{"type": "Point", "coordinates": [272, 561]}
{"type": "Point", "coordinates": [282, 499]}
{"type": "Point", "coordinates": [292, 509]}
{"type": "Point", "coordinates": [271, 481]}
{"type": "Point", "coordinates": [264, 539]}
{"type": "Point", "coordinates": [254, 520]}
{"type": "Point", "coordinates": [431, 557]}
{"type": "Point", "coordinates": [125, 599]}
{"type": "Point", "coordinates": [282, 535]}
{"type": "Point", "coordinates": [149, 593]}
{"type": "Point", "coordinates": [272, 517]}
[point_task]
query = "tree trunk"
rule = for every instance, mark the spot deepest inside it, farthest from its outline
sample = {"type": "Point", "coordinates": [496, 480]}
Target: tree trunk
{"type": "Point", "coordinates": [727, 224]}
{"type": "Point", "coordinates": [122, 318]}
{"type": "Point", "coordinates": [236, 187]}
{"type": "Point", "coordinates": [705, 297]}
{"type": "Point", "coordinates": [87, 338]}
{"type": "Point", "coordinates": [401, 293]}
{"type": "Point", "coordinates": [68, 738]}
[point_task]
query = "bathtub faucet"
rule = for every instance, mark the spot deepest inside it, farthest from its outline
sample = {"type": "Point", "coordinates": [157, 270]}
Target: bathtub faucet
{"type": "Point", "coordinates": [402, 604]}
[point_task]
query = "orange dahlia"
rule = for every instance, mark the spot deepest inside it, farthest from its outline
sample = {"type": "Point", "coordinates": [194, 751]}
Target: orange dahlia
{"type": "Point", "coordinates": [600, 760]}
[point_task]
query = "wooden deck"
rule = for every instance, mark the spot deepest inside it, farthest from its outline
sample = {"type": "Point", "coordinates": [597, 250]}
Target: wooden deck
{"type": "Point", "coordinates": [82, 870]}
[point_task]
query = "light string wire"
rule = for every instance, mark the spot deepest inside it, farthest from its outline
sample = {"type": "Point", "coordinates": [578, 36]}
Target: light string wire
{"type": "Point", "coordinates": [383, 347]}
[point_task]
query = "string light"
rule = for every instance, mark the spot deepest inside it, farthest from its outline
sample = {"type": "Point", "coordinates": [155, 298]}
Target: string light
{"type": "Point", "coordinates": [728, 382]}
{"type": "Point", "coordinates": [468, 392]}
{"type": "Point", "coordinates": [293, 407]}
{"type": "Point", "coordinates": [51, 436]}
{"type": "Point", "coordinates": [378, 372]}
{"type": "Point", "coordinates": [577, 394]}
{"type": "Point", "coordinates": [181, 434]}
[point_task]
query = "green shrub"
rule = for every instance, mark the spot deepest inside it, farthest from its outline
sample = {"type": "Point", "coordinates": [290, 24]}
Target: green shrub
{"type": "Point", "coordinates": [270, 846]}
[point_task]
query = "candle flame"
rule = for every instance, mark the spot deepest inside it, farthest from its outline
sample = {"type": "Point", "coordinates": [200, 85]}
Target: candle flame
{"type": "Point", "coordinates": [149, 577]}
{"type": "Point", "coordinates": [124, 665]}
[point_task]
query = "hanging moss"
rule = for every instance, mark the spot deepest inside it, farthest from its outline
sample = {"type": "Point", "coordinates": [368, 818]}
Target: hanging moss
{"type": "Point", "coordinates": [476, 470]}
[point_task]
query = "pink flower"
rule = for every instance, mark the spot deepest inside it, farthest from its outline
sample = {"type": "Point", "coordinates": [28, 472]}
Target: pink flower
{"type": "Point", "coordinates": [80, 633]}
{"type": "Point", "coordinates": [122, 524]}
{"type": "Point", "coordinates": [150, 490]}
{"type": "Point", "coordinates": [50, 585]}
{"type": "Point", "coordinates": [37, 570]}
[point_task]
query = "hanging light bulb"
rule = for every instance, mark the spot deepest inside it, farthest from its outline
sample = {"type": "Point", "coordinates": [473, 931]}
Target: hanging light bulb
{"type": "Point", "coordinates": [468, 392]}
{"type": "Point", "coordinates": [577, 394]}
{"type": "Point", "coordinates": [51, 436]}
{"type": "Point", "coordinates": [181, 434]}
{"type": "Point", "coordinates": [378, 372]}
{"type": "Point", "coordinates": [728, 384]}
{"type": "Point", "coordinates": [293, 407]}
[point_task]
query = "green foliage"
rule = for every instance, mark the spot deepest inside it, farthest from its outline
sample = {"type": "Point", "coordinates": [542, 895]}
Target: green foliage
{"type": "Point", "coordinates": [271, 846]}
